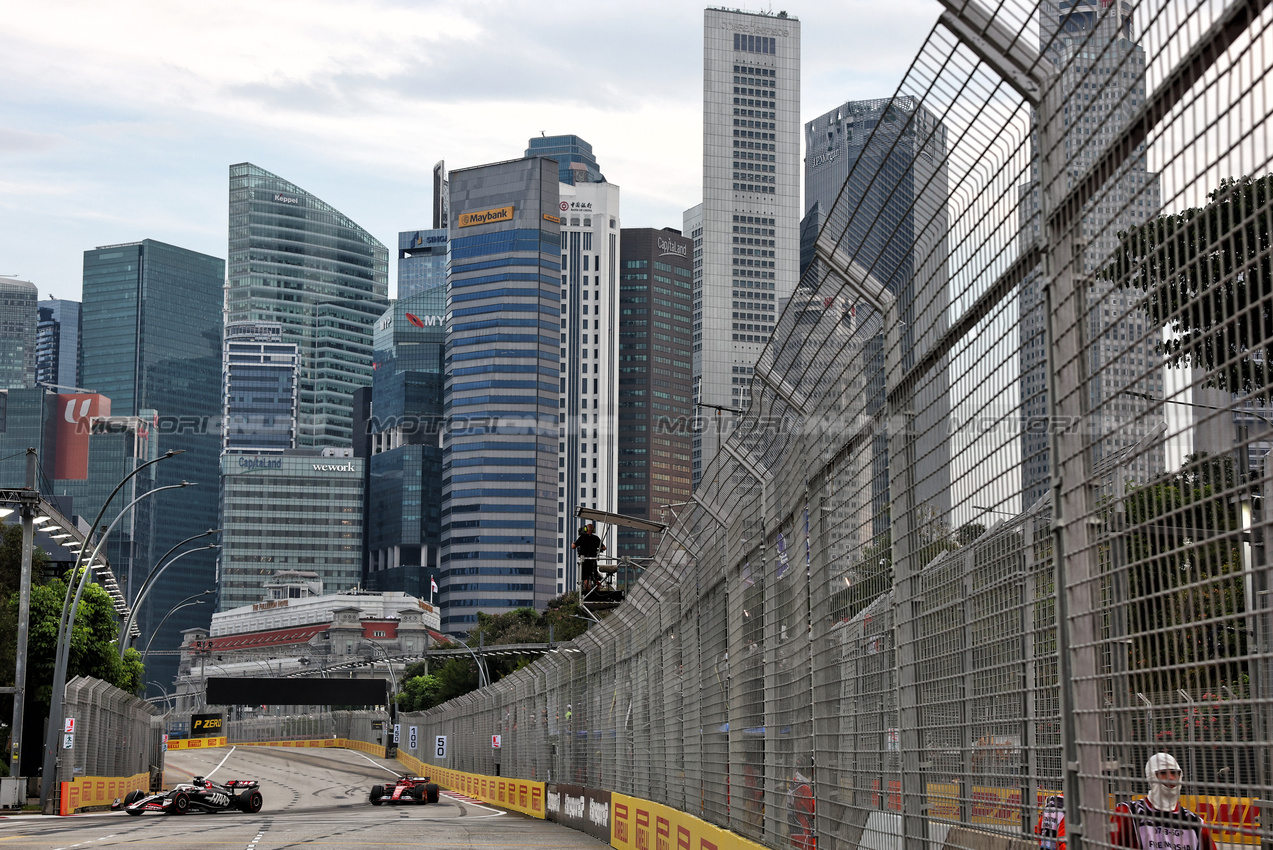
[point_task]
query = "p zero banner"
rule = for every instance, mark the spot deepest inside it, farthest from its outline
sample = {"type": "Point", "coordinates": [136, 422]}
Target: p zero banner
{"type": "Point", "coordinates": [584, 809]}
{"type": "Point", "coordinates": [205, 725]}
{"type": "Point", "coordinates": [75, 415]}
{"type": "Point", "coordinates": [486, 216]}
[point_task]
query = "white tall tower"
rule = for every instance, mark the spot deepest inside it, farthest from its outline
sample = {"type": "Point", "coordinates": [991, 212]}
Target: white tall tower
{"type": "Point", "coordinates": [750, 215]}
{"type": "Point", "coordinates": [589, 432]}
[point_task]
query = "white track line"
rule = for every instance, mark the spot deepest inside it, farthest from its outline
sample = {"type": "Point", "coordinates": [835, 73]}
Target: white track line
{"type": "Point", "coordinates": [376, 763]}
{"type": "Point", "coordinates": [218, 767]}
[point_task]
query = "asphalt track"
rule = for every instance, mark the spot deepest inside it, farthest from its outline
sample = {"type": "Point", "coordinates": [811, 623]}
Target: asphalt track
{"type": "Point", "coordinates": [314, 800]}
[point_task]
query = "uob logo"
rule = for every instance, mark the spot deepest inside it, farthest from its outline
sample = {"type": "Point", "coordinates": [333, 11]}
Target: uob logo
{"type": "Point", "coordinates": [73, 429]}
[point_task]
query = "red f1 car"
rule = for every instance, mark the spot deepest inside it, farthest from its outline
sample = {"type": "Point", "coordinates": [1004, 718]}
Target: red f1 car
{"type": "Point", "coordinates": [407, 789]}
{"type": "Point", "coordinates": [199, 795]}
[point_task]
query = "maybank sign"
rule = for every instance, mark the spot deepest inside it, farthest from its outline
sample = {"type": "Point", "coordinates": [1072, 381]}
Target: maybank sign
{"type": "Point", "coordinates": [486, 216]}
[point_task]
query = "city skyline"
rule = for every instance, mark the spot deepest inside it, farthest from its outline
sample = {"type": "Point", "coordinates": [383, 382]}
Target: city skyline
{"type": "Point", "coordinates": [139, 155]}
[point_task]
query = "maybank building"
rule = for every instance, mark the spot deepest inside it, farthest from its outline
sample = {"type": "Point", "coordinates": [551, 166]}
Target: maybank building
{"type": "Point", "coordinates": [502, 382]}
{"type": "Point", "coordinates": [301, 510]}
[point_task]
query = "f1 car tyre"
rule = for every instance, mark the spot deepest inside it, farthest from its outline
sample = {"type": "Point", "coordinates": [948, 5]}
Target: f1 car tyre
{"type": "Point", "coordinates": [132, 797]}
{"type": "Point", "coordinates": [376, 794]}
{"type": "Point", "coordinates": [180, 804]}
{"type": "Point", "coordinates": [431, 793]}
{"type": "Point", "coordinates": [251, 802]}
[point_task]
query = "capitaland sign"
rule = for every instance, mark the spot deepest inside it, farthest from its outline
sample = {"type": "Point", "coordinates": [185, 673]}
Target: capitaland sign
{"type": "Point", "coordinates": [824, 158]}
{"type": "Point", "coordinates": [334, 467]}
{"type": "Point", "coordinates": [667, 246]}
{"type": "Point", "coordinates": [260, 463]}
{"type": "Point", "coordinates": [486, 216]}
{"type": "Point", "coordinates": [286, 199]}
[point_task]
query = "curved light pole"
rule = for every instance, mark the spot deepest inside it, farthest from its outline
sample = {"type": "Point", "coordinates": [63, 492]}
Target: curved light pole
{"type": "Point", "coordinates": [393, 682]}
{"type": "Point", "coordinates": [63, 649]}
{"type": "Point", "coordinates": [185, 603]}
{"type": "Point", "coordinates": [124, 635]}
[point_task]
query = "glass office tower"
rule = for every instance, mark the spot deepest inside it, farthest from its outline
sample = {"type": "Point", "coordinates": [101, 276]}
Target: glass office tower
{"type": "Point", "coordinates": [259, 372]}
{"type": "Point", "coordinates": [875, 169]}
{"type": "Point", "coordinates": [151, 331]}
{"type": "Point", "coordinates": [655, 375]}
{"type": "Point", "coordinates": [575, 160]}
{"type": "Point", "coordinates": [499, 486]}
{"type": "Point", "coordinates": [298, 261]}
{"type": "Point", "coordinates": [404, 491]}
{"type": "Point", "coordinates": [18, 318]}
{"type": "Point", "coordinates": [57, 345]}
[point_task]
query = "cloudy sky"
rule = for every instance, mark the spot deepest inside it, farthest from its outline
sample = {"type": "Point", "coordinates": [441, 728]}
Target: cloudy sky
{"type": "Point", "coordinates": [118, 121]}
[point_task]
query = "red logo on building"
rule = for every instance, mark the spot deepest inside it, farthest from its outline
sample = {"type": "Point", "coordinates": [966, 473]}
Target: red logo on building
{"type": "Point", "coordinates": [75, 415]}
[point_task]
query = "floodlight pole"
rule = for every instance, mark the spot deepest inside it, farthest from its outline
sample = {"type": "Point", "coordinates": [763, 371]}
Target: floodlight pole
{"type": "Point", "coordinates": [124, 635]}
{"type": "Point", "coordinates": [24, 620]}
{"type": "Point", "coordinates": [63, 648]}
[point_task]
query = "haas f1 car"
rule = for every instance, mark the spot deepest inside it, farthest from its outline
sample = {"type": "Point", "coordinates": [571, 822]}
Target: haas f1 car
{"type": "Point", "coordinates": [407, 789]}
{"type": "Point", "coordinates": [199, 795]}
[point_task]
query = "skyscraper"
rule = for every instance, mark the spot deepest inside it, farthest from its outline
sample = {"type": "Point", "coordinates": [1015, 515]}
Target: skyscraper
{"type": "Point", "coordinates": [590, 257]}
{"type": "Point", "coordinates": [151, 330]}
{"type": "Point", "coordinates": [259, 373]}
{"type": "Point", "coordinates": [751, 199]}
{"type": "Point", "coordinates": [655, 378]}
{"type": "Point", "coordinates": [298, 261]}
{"type": "Point", "coordinates": [18, 318]}
{"type": "Point", "coordinates": [875, 172]}
{"type": "Point", "coordinates": [575, 161]}
{"type": "Point", "coordinates": [57, 344]}
{"type": "Point", "coordinates": [500, 484]}
{"type": "Point", "coordinates": [1102, 73]}
{"type": "Point", "coordinates": [404, 491]}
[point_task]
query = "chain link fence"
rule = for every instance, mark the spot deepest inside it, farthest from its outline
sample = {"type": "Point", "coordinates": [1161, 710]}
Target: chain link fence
{"type": "Point", "coordinates": [993, 526]}
{"type": "Point", "coordinates": [113, 734]}
{"type": "Point", "coordinates": [371, 726]}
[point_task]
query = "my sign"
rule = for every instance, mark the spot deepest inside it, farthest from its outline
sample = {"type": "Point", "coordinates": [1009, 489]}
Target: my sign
{"type": "Point", "coordinates": [495, 742]}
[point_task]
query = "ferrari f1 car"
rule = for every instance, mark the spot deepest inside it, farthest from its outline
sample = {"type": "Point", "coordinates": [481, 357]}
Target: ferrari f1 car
{"type": "Point", "coordinates": [198, 795]}
{"type": "Point", "coordinates": [407, 789]}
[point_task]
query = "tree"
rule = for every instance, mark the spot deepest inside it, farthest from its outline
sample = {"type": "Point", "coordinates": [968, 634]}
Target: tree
{"type": "Point", "coordinates": [1184, 580]}
{"type": "Point", "coordinates": [420, 690]}
{"type": "Point", "coordinates": [1207, 276]}
{"type": "Point", "coordinates": [419, 693]}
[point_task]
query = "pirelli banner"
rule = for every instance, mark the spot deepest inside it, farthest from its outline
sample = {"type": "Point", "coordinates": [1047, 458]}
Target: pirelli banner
{"type": "Point", "coordinates": [518, 795]}
{"type": "Point", "coordinates": [642, 825]}
{"type": "Point", "coordinates": [85, 791]}
{"type": "Point", "coordinates": [195, 743]}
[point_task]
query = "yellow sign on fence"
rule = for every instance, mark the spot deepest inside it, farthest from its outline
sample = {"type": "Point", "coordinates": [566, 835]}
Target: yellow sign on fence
{"type": "Point", "coordinates": [195, 743]}
{"type": "Point", "coordinates": [85, 791]}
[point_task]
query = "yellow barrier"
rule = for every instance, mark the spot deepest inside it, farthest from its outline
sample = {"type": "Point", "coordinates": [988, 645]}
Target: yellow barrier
{"type": "Point", "coordinates": [302, 743]}
{"type": "Point", "coordinates": [85, 791]}
{"type": "Point", "coordinates": [518, 795]}
{"type": "Point", "coordinates": [195, 743]}
{"type": "Point", "coordinates": [641, 825]}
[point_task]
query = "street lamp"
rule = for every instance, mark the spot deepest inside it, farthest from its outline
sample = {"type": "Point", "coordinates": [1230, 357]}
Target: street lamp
{"type": "Point", "coordinates": [69, 608]}
{"type": "Point", "coordinates": [393, 682]}
{"type": "Point", "coordinates": [185, 603]}
{"type": "Point", "coordinates": [124, 635]}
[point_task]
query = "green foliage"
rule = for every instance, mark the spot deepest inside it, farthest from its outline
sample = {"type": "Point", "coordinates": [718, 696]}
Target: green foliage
{"type": "Point", "coordinates": [93, 648]}
{"type": "Point", "coordinates": [419, 693]}
{"type": "Point", "coordinates": [1207, 275]}
{"type": "Point", "coordinates": [1184, 579]}
{"type": "Point", "coordinates": [422, 688]}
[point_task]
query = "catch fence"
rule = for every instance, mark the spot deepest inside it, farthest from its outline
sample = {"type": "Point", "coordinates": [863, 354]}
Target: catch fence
{"type": "Point", "coordinates": [111, 733]}
{"type": "Point", "coordinates": [993, 525]}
